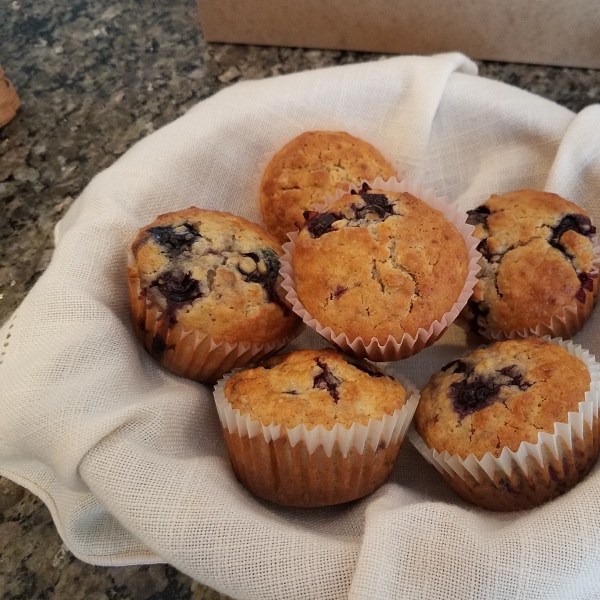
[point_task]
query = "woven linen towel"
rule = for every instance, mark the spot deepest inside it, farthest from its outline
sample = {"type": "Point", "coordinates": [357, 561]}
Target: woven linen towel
{"type": "Point", "coordinates": [130, 458]}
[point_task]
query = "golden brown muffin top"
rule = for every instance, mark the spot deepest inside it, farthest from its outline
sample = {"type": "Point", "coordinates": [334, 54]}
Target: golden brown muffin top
{"type": "Point", "coordinates": [314, 387]}
{"type": "Point", "coordinates": [500, 396]}
{"type": "Point", "coordinates": [310, 167]}
{"type": "Point", "coordinates": [215, 273]}
{"type": "Point", "coordinates": [536, 257]}
{"type": "Point", "coordinates": [379, 263]}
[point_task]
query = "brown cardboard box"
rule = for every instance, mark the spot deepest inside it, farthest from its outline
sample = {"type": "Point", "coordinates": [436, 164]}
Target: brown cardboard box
{"type": "Point", "coordinates": [554, 32]}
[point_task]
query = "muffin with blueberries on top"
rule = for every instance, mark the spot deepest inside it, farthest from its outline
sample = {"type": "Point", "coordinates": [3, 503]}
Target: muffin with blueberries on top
{"type": "Point", "coordinates": [538, 272]}
{"type": "Point", "coordinates": [506, 425]}
{"type": "Point", "coordinates": [380, 265]}
{"type": "Point", "coordinates": [205, 292]}
{"type": "Point", "coordinates": [313, 427]}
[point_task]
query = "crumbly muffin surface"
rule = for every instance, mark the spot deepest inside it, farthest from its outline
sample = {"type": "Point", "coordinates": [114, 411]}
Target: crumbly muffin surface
{"type": "Point", "coordinates": [379, 263]}
{"type": "Point", "coordinates": [500, 396]}
{"type": "Point", "coordinates": [216, 273]}
{"type": "Point", "coordinates": [314, 387]}
{"type": "Point", "coordinates": [536, 259]}
{"type": "Point", "coordinates": [310, 167]}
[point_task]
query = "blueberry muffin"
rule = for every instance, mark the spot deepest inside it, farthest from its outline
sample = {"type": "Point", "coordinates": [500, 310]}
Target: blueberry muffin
{"type": "Point", "coordinates": [335, 426]}
{"type": "Point", "coordinates": [536, 260]}
{"type": "Point", "coordinates": [494, 400]}
{"type": "Point", "coordinates": [212, 274]}
{"type": "Point", "coordinates": [310, 167]}
{"type": "Point", "coordinates": [378, 264]}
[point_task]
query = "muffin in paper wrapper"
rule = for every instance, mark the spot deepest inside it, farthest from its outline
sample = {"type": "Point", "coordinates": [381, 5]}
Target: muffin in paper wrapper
{"type": "Point", "coordinates": [316, 467]}
{"type": "Point", "coordinates": [535, 473]}
{"type": "Point", "coordinates": [392, 349]}
{"type": "Point", "coordinates": [564, 324]}
{"type": "Point", "coordinates": [185, 352]}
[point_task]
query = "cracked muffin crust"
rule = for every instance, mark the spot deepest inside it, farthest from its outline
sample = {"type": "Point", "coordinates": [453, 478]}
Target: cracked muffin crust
{"type": "Point", "coordinates": [212, 272]}
{"type": "Point", "coordinates": [500, 396]}
{"type": "Point", "coordinates": [310, 167]}
{"type": "Point", "coordinates": [314, 387]}
{"type": "Point", "coordinates": [377, 264]}
{"type": "Point", "coordinates": [536, 259]}
{"type": "Point", "coordinates": [314, 427]}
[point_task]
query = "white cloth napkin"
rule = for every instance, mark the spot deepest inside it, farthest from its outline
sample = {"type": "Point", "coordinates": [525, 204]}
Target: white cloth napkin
{"type": "Point", "coordinates": [130, 458]}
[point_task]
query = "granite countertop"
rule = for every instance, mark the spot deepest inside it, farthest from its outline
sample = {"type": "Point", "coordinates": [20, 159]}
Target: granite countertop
{"type": "Point", "coordinates": [94, 78]}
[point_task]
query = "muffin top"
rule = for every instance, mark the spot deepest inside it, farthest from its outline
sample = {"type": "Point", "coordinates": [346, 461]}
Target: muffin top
{"type": "Point", "coordinates": [314, 387]}
{"type": "Point", "coordinates": [536, 259]}
{"type": "Point", "coordinates": [215, 273]}
{"type": "Point", "coordinates": [379, 263]}
{"type": "Point", "coordinates": [500, 396]}
{"type": "Point", "coordinates": [310, 167]}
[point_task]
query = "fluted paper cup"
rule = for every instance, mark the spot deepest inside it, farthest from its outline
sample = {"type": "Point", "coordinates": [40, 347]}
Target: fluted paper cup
{"type": "Point", "coordinates": [535, 473]}
{"type": "Point", "coordinates": [313, 467]}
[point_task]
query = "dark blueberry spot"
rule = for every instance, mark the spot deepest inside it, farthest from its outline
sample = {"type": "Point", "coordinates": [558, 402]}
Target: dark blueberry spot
{"type": "Point", "coordinates": [366, 368]}
{"type": "Point", "coordinates": [515, 377]}
{"type": "Point", "coordinates": [327, 381]}
{"type": "Point", "coordinates": [476, 392]}
{"type": "Point", "coordinates": [469, 396]}
{"type": "Point", "coordinates": [158, 346]}
{"type": "Point", "coordinates": [175, 240]}
{"type": "Point", "coordinates": [483, 248]}
{"type": "Point", "coordinates": [374, 203]}
{"type": "Point", "coordinates": [320, 223]}
{"type": "Point", "coordinates": [364, 188]}
{"type": "Point", "coordinates": [267, 279]}
{"type": "Point", "coordinates": [382, 445]}
{"type": "Point", "coordinates": [339, 290]}
{"type": "Point", "coordinates": [178, 288]}
{"type": "Point", "coordinates": [511, 371]}
{"type": "Point", "coordinates": [478, 216]}
{"type": "Point", "coordinates": [459, 366]}
{"type": "Point", "coordinates": [587, 283]}
{"type": "Point", "coordinates": [578, 223]}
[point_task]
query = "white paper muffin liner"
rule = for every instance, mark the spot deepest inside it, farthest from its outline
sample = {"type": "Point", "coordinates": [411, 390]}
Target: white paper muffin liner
{"type": "Point", "coordinates": [564, 324]}
{"type": "Point", "coordinates": [408, 345]}
{"type": "Point", "coordinates": [538, 472]}
{"type": "Point", "coordinates": [188, 353]}
{"type": "Point", "coordinates": [354, 131]}
{"type": "Point", "coordinates": [316, 466]}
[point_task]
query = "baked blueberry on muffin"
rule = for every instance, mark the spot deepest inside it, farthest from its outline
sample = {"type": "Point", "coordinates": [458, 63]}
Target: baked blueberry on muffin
{"type": "Point", "coordinates": [212, 274]}
{"type": "Point", "coordinates": [314, 165]}
{"type": "Point", "coordinates": [379, 263]}
{"type": "Point", "coordinates": [317, 427]}
{"type": "Point", "coordinates": [488, 404]}
{"type": "Point", "coordinates": [536, 260]}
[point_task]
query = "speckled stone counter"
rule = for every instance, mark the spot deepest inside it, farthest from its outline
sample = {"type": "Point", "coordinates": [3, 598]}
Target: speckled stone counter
{"type": "Point", "coordinates": [94, 78]}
